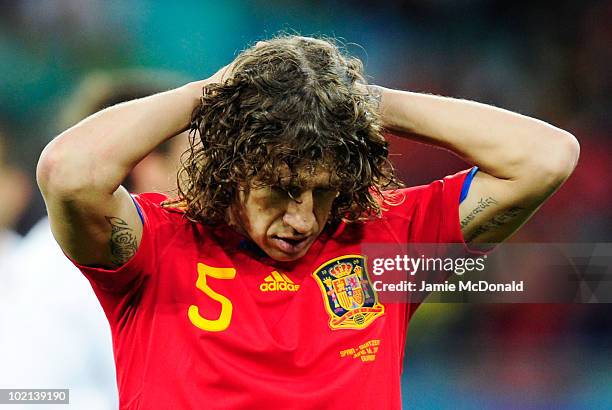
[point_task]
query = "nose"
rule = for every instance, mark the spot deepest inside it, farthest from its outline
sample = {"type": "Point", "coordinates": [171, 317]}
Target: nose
{"type": "Point", "coordinates": [300, 214]}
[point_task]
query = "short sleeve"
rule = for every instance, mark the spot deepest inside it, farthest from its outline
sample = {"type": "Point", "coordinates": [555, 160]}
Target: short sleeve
{"type": "Point", "coordinates": [131, 275]}
{"type": "Point", "coordinates": [454, 189]}
{"type": "Point", "coordinates": [432, 210]}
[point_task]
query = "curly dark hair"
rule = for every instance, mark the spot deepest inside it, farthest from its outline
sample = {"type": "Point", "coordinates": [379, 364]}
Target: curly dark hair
{"type": "Point", "coordinates": [290, 102]}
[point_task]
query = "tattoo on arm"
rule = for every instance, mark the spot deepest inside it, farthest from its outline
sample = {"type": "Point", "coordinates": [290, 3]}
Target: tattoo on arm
{"type": "Point", "coordinates": [123, 243]}
{"type": "Point", "coordinates": [376, 94]}
{"type": "Point", "coordinates": [483, 203]}
{"type": "Point", "coordinates": [496, 222]}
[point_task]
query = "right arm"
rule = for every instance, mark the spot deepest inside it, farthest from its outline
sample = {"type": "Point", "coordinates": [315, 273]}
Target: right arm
{"type": "Point", "coordinates": [93, 218]}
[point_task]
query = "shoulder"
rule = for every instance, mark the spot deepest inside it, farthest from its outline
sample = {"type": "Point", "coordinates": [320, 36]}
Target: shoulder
{"type": "Point", "coordinates": [444, 191]}
{"type": "Point", "coordinates": [168, 225]}
{"type": "Point", "coordinates": [154, 206]}
{"type": "Point", "coordinates": [163, 223]}
{"type": "Point", "coordinates": [425, 213]}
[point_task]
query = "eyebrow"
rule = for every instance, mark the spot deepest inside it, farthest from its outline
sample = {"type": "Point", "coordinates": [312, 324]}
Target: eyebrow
{"type": "Point", "coordinates": [302, 181]}
{"type": "Point", "coordinates": [301, 185]}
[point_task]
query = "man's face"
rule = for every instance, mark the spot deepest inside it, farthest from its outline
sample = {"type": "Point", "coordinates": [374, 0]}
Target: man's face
{"type": "Point", "coordinates": [285, 220]}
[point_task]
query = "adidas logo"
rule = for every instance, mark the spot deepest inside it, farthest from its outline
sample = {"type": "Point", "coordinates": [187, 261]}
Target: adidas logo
{"type": "Point", "coordinates": [278, 282]}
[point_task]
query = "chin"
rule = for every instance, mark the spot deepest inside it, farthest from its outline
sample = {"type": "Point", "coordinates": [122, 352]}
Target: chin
{"type": "Point", "coordinates": [282, 257]}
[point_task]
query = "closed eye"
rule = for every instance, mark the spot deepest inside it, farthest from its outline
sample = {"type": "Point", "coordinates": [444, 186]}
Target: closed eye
{"type": "Point", "coordinates": [291, 191]}
{"type": "Point", "coordinates": [294, 192]}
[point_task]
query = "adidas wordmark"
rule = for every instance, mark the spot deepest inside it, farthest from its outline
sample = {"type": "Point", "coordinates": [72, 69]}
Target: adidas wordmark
{"type": "Point", "coordinates": [278, 282]}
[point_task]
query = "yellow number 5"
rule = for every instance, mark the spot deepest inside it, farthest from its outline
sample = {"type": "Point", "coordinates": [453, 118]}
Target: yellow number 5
{"type": "Point", "coordinates": [225, 316]}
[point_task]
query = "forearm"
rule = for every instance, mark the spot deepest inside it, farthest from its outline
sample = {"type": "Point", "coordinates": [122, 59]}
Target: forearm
{"type": "Point", "coordinates": [100, 151]}
{"type": "Point", "coordinates": [504, 144]}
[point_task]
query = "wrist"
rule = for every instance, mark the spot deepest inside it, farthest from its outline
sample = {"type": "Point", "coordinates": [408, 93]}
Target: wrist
{"type": "Point", "coordinates": [397, 110]}
{"type": "Point", "coordinates": [376, 93]}
{"type": "Point", "coordinates": [377, 96]}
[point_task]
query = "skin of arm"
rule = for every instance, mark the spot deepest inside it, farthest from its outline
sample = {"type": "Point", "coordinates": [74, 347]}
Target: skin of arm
{"type": "Point", "coordinates": [80, 173]}
{"type": "Point", "coordinates": [521, 160]}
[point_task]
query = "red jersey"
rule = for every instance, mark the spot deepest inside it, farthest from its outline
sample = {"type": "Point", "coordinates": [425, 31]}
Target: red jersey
{"type": "Point", "coordinates": [200, 318]}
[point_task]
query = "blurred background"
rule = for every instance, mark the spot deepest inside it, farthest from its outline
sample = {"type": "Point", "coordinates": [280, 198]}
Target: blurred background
{"type": "Point", "coordinates": [63, 59]}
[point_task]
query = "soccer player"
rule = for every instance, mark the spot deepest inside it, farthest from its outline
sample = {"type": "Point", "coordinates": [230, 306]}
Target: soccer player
{"type": "Point", "coordinates": [249, 290]}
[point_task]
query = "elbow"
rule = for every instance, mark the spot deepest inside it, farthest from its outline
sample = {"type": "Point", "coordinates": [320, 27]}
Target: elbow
{"type": "Point", "coordinates": [56, 173]}
{"type": "Point", "coordinates": [559, 159]}
{"type": "Point", "coordinates": [564, 157]}
{"type": "Point", "coordinates": [49, 169]}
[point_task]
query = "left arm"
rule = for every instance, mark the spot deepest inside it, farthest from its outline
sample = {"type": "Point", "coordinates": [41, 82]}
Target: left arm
{"type": "Point", "coordinates": [522, 160]}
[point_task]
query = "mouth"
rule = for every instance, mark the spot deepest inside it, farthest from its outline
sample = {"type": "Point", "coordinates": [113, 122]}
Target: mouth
{"type": "Point", "coordinates": [290, 245]}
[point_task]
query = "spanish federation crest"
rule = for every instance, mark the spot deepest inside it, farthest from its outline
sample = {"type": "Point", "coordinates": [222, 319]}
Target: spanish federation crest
{"type": "Point", "coordinates": [350, 300]}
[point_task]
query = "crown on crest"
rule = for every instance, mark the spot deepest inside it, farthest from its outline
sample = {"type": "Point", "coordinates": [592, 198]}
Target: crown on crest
{"type": "Point", "coordinates": [341, 270]}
